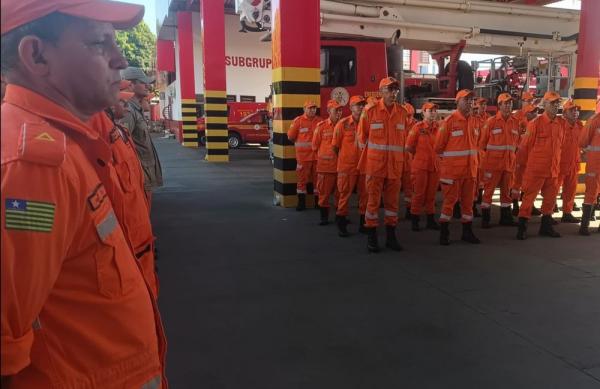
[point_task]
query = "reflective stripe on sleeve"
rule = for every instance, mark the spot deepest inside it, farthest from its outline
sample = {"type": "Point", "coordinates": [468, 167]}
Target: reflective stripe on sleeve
{"type": "Point", "coordinates": [303, 144]}
{"type": "Point", "coordinates": [501, 147]}
{"type": "Point", "coordinates": [459, 153]}
{"type": "Point", "coordinates": [107, 226]}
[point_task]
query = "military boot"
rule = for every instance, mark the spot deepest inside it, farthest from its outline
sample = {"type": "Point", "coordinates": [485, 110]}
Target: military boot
{"type": "Point", "coordinates": [391, 242]}
{"type": "Point", "coordinates": [324, 216]}
{"type": "Point", "coordinates": [522, 231]}
{"type": "Point", "coordinates": [506, 218]}
{"type": "Point", "coordinates": [372, 244]}
{"type": "Point", "coordinates": [569, 218]}
{"type": "Point", "coordinates": [445, 234]}
{"type": "Point", "coordinates": [546, 228]}
{"type": "Point", "coordinates": [341, 224]}
{"type": "Point", "coordinates": [585, 220]}
{"type": "Point", "coordinates": [415, 222]}
{"type": "Point", "coordinates": [486, 216]}
{"type": "Point", "coordinates": [468, 235]}
{"type": "Point", "coordinates": [301, 202]}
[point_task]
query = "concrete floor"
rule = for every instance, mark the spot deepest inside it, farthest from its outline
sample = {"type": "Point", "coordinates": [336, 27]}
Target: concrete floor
{"type": "Point", "coordinates": [256, 296]}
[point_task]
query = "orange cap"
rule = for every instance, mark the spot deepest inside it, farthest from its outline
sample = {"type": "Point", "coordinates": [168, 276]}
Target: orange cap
{"type": "Point", "coordinates": [409, 108]}
{"type": "Point", "coordinates": [429, 105]}
{"type": "Point", "coordinates": [503, 97]}
{"type": "Point", "coordinates": [570, 104]}
{"type": "Point", "coordinates": [526, 96]}
{"type": "Point", "coordinates": [551, 96]}
{"type": "Point", "coordinates": [16, 13]}
{"type": "Point", "coordinates": [333, 104]}
{"type": "Point", "coordinates": [357, 100]}
{"type": "Point", "coordinates": [529, 108]}
{"type": "Point", "coordinates": [310, 103]}
{"type": "Point", "coordinates": [463, 93]}
{"type": "Point", "coordinates": [388, 81]}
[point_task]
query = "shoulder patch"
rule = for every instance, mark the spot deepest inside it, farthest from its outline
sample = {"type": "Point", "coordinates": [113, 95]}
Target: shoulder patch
{"type": "Point", "coordinates": [28, 215]}
{"type": "Point", "coordinates": [40, 143]}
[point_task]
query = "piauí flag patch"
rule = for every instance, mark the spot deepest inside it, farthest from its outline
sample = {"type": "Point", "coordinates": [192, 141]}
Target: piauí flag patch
{"type": "Point", "coordinates": [29, 215]}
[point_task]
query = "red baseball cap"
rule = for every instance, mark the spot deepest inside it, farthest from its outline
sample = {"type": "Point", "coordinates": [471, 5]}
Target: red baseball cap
{"type": "Point", "coordinates": [310, 103]}
{"type": "Point", "coordinates": [529, 108]}
{"type": "Point", "coordinates": [569, 104]}
{"type": "Point", "coordinates": [526, 96]}
{"type": "Point", "coordinates": [389, 81]}
{"type": "Point", "coordinates": [333, 104]}
{"type": "Point", "coordinates": [16, 13]}
{"type": "Point", "coordinates": [463, 93]}
{"type": "Point", "coordinates": [357, 100]}
{"type": "Point", "coordinates": [503, 97]}
{"type": "Point", "coordinates": [429, 105]}
{"type": "Point", "coordinates": [551, 96]}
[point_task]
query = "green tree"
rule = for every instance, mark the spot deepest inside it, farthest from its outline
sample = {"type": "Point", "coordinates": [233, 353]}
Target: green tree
{"type": "Point", "coordinates": [138, 45]}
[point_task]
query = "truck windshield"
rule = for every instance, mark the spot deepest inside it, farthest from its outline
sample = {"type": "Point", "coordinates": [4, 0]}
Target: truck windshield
{"type": "Point", "coordinates": [338, 66]}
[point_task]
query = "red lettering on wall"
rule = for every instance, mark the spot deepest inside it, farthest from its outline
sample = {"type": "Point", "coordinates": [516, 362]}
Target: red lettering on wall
{"type": "Point", "coordinates": [248, 62]}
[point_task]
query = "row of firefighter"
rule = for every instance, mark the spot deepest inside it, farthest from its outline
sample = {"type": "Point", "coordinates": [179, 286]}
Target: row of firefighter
{"type": "Point", "coordinates": [380, 150]}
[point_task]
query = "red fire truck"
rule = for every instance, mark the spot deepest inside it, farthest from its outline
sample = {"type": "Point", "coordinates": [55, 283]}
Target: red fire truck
{"type": "Point", "coordinates": [248, 123]}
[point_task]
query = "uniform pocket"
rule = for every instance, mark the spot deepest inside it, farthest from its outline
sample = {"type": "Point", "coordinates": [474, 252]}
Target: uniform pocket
{"type": "Point", "coordinates": [123, 170]}
{"type": "Point", "coordinates": [115, 265]}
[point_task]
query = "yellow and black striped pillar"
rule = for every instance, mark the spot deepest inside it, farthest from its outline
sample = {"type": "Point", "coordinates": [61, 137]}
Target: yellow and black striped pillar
{"type": "Point", "coordinates": [296, 76]}
{"type": "Point", "coordinates": [189, 122]}
{"type": "Point", "coordinates": [588, 58]}
{"type": "Point", "coordinates": [189, 118]}
{"type": "Point", "coordinates": [215, 92]}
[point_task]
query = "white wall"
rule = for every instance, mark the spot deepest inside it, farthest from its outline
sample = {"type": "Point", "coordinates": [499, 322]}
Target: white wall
{"type": "Point", "coordinates": [198, 60]}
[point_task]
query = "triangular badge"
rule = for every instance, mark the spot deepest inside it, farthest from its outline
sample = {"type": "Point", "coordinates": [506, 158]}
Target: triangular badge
{"type": "Point", "coordinates": [45, 136]}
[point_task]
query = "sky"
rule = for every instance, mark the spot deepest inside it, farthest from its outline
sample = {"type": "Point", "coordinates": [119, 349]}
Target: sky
{"type": "Point", "coordinates": [150, 14]}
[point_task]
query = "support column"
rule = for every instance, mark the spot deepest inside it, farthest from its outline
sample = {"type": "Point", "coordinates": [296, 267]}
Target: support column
{"type": "Point", "coordinates": [215, 90]}
{"type": "Point", "coordinates": [189, 115]}
{"type": "Point", "coordinates": [588, 58]}
{"type": "Point", "coordinates": [296, 76]}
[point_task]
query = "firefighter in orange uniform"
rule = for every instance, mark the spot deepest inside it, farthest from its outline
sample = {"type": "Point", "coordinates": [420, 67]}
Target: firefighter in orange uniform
{"type": "Point", "coordinates": [540, 152]}
{"type": "Point", "coordinates": [301, 133]}
{"type": "Point", "coordinates": [326, 158]}
{"type": "Point", "coordinates": [407, 183]}
{"type": "Point", "coordinates": [345, 145]}
{"type": "Point", "coordinates": [383, 129]}
{"type": "Point", "coordinates": [590, 142]}
{"type": "Point", "coordinates": [499, 140]}
{"type": "Point", "coordinates": [569, 160]}
{"type": "Point", "coordinates": [456, 143]}
{"type": "Point", "coordinates": [527, 100]}
{"type": "Point", "coordinates": [425, 167]}
{"type": "Point", "coordinates": [530, 112]}
{"type": "Point", "coordinates": [76, 310]}
{"type": "Point", "coordinates": [480, 116]}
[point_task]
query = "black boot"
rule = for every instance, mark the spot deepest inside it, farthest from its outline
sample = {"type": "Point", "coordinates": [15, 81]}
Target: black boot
{"type": "Point", "coordinates": [515, 208]}
{"type": "Point", "coordinates": [415, 222]}
{"type": "Point", "coordinates": [576, 208]}
{"type": "Point", "coordinates": [324, 216]}
{"type": "Point", "coordinates": [569, 218]}
{"type": "Point", "coordinates": [457, 213]}
{"type": "Point", "coordinates": [479, 196]}
{"type": "Point", "coordinates": [522, 231]}
{"type": "Point", "coordinates": [445, 234]}
{"type": "Point", "coordinates": [535, 211]}
{"type": "Point", "coordinates": [407, 214]}
{"type": "Point", "coordinates": [362, 229]}
{"type": "Point", "coordinates": [301, 202]}
{"type": "Point", "coordinates": [585, 220]}
{"type": "Point", "coordinates": [555, 209]}
{"type": "Point", "coordinates": [506, 218]}
{"type": "Point", "coordinates": [391, 242]}
{"type": "Point", "coordinates": [546, 228]}
{"type": "Point", "coordinates": [486, 216]}
{"type": "Point", "coordinates": [341, 224]}
{"type": "Point", "coordinates": [431, 223]}
{"type": "Point", "coordinates": [476, 211]}
{"type": "Point", "coordinates": [468, 235]}
{"type": "Point", "coordinates": [317, 202]}
{"type": "Point", "coordinates": [372, 244]}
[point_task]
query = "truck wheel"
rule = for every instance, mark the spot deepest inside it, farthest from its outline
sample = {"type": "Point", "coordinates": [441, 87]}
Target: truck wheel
{"type": "Point", "coordinates": [234, 140]}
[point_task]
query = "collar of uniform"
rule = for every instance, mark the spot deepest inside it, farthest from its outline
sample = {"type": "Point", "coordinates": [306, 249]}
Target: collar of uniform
{"type": "Point", "coordinates": [381, 106]}
{"type": "Point", "coordinates": [47, 109]}
{"type": "Point", "coordinates": [547, 120]}
{"type": "Point", "coordinates": [459, 115]}
{"type": "Point", "coordinates": [134, 104]}
{"type": "Point", "coordinates": [500, 117]}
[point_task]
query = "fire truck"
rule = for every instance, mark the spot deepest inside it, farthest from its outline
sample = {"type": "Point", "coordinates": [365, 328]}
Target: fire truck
{"type": "Point", "coordinates": [248, 123]}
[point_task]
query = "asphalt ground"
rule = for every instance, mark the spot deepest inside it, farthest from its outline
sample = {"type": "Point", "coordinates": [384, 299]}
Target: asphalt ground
{"type": "Point", "coordinates": [257, 296]}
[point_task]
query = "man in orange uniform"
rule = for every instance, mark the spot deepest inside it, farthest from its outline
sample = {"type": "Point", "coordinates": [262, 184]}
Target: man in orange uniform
{"type": "Point", "coordinates": [76, 310]}
{"type": "Point", "coordinates": [480, 116]}
{"type": "Point", "coordinates": [569, 160]}
{"type": "Point", "coordinates": [407, 183]}
{"type": "Point", "coordinates": [425, 167]}
{"type": "Point", "coordinates": [499, 140]}
{"type": "Point", "coordinates": [456, 143]}
{"type": "Point", "coordinates": [346, 147]}
{"type": "Point", "coordinates": [590, 142]}
{"type": "Point", "coordinates": [133, 203]}
{"type": "Point", "coordinates": [326, 158]}
{"type": "Point", "coordinates": [540, 152]}
{"type": "Point", "coordinates": [383, 128]}
{"type": "Point", "coordinates": [526, 101]}
{"type": "Point", "coordinates": [301, 133]}
{"type": "Point", "coordinates": [530, 112]}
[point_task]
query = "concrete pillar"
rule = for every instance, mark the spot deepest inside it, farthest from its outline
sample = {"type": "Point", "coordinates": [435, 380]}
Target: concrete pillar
{"type": "Point", "coordinates": [296, 76]}
{"type": "Point", "coordinates": [189, 106]}
{"type": "Point", "coordinates": [215, 85]}
{"type": "Point", "coordinates": [588, 58]}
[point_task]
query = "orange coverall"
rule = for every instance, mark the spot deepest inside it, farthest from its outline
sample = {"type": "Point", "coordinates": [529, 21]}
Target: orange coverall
{"type": "Point", "coordinates": [540, 152]}
{"type": "Point", "coordinates": [346, 140]}
{"type": "Point", "coordinates": [384, 133]}
{"type": "Point", "coordinates": [517, 180]}
{"type": "Point", "coordinates": [407, 182]}
{"type": "Point", "coordinates": [132, 207]}
{"type": "Point", "coordinates": [326, 161]}
{"type": "Point", "coordinates": [425, 169]}
{"type": "Point", "coordinates": [456, 143]}
{"type": "Point", "coordinates": [76, 309]}
{"type": "Point", "coordinates": [301, 133]}
{"type": "Point", "coordinates": [569, 164]}
{"type": "Point", "coordinates": [590, 142]}
{"type": "Point", "coordinates": [499, 139]}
